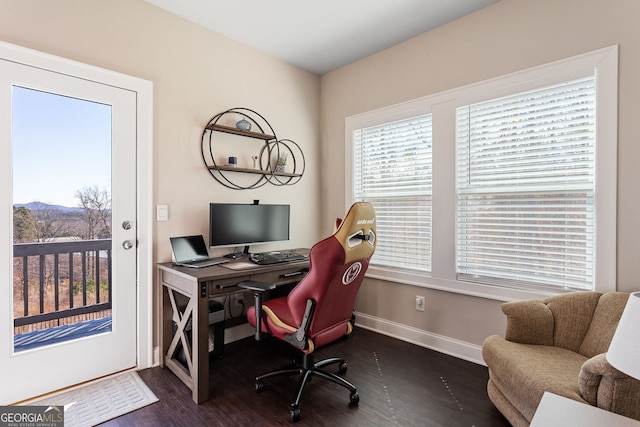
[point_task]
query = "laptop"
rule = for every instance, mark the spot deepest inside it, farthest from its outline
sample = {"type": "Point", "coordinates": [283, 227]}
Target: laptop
{"type": "Point", "coordinates": [191, 251]}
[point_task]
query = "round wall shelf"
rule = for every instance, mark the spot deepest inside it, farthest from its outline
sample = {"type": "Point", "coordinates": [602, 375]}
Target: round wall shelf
{"type": "Point", "coordinates": [278, 162]}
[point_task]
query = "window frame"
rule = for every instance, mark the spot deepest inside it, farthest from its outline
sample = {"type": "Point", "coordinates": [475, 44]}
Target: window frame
{"type": "Point", "coordinates": [385, 193]}
{"type": "Point", "coordinates": [603, 63]}
{"type": "Point", "coordinates": [492, 175]}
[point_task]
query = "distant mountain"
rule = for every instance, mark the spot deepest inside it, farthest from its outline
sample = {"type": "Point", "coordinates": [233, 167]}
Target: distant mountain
{"type": "Point", "coordinates": [34, 206]}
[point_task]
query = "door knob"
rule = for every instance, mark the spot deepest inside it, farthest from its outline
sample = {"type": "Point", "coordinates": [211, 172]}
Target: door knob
{"type": "Point", "coordinates": [126, 225]}
{"type": "Point", "coordinates": [127, 244]}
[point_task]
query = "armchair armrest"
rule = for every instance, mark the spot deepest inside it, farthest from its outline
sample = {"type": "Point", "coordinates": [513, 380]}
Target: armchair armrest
{"type": "Point", "coordinates": [529, 322]}
{"type": "Point", "coordinates": [604, 386]}
{"type": "Point", "coordinates": [258, 289]}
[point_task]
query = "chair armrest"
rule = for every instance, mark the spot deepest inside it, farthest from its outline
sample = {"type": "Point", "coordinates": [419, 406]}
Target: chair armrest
{"type": "Point", "coordinates": [258, 288]}
{"type": "Point", "coordinates": [299, 337]}
{"type": "Point", "coordinates": [604, 386]}
{"type": "Point", "coordinates": [529, 322]}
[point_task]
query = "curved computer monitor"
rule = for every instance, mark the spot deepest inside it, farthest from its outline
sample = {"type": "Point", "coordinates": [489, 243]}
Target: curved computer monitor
{"type": "Point", "coordinates": [235, 224]}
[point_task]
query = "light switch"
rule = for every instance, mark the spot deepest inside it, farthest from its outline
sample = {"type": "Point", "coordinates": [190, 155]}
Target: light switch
{"type": "Point", "coordinates": [162, 212]}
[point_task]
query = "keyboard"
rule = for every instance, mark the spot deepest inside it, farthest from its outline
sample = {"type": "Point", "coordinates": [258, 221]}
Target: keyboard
{"type": "Point", "coordinates": [267, 258]}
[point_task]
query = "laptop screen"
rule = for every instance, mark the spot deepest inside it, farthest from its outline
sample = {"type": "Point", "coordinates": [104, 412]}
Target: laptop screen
{"type": "Point", "coordinates": [189, 248]}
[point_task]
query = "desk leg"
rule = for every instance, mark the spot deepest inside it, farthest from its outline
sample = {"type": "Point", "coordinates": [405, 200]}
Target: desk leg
{"type": "Point", "coordinates": [166, 331]}
{"type": "Point", "coordinates": [196, 374]}
{"type": "Point", "coordinates": [201, 347]}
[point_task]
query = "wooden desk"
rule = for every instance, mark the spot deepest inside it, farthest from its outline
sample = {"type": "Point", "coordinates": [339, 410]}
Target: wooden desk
{"type": "Point", "coordinates": [197, 286]}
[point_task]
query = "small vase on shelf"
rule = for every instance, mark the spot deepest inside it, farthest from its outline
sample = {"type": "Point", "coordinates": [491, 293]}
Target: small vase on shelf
{"type": "Point", "coordinates": [243, 124]}
{"type": "Point", "coordinates": [281, 162]}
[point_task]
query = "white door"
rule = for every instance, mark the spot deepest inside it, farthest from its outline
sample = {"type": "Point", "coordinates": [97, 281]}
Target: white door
{"type": "Point", "coordinates": [110, 150]}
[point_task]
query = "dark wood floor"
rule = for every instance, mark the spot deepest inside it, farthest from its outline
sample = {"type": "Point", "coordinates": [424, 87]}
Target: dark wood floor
{"type": "Point", "coordinates": [399, 384]}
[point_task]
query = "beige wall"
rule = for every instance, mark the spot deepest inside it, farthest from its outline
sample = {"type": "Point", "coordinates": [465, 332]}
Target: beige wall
{"type": "Point", "coordinates": [509, 36]}
{"type": "Point", "coordinates": [196, 74]}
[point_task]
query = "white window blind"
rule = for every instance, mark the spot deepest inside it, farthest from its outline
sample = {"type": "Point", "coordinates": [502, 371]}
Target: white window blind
{"type": "Point", "coordinates": [525, 184]}
{"type": "Point", "coordinates": [392, 170]}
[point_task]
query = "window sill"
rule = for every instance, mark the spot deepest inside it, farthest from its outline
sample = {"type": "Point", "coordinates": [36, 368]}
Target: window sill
{"type": "Point", "coordinates": [423, 280]}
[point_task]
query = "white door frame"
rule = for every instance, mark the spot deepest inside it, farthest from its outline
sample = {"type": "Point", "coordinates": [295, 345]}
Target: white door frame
{"type": "Point", "coordinates": [144, 164]}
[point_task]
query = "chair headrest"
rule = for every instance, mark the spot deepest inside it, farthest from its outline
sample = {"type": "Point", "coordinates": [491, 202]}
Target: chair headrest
{"type": "Point", "coordinates": [357, 231]}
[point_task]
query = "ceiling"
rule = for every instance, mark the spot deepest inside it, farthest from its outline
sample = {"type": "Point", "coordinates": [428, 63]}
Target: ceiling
{"type": "Point", "coordinates": [321, 37]}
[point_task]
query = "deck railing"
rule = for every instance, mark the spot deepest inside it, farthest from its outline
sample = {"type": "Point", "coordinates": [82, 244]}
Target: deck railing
{"type": "Point", "coordinates": [70, 278]}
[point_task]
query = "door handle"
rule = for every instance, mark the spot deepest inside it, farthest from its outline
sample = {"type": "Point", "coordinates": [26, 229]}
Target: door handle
{"type": "Point", "coordinates": [126, 225]}
{"type": "Point", "coordinates": [127, 244]}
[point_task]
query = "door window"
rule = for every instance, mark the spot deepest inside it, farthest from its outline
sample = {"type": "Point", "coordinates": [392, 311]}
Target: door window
{"type": "Point", "coordinates": [62, 278]}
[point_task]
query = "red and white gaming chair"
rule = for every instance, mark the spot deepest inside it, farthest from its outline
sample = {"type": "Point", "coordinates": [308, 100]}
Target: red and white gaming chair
{"type": "Point", "coordinates": [319, 309]}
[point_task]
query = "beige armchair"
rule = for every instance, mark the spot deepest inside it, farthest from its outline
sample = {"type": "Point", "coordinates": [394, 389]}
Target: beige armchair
{"type": "Point", "coordinates": [559, 345]}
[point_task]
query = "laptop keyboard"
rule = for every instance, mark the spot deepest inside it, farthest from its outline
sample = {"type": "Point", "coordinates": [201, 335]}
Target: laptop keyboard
{"type": "Point", "coordinates": [208, 262]}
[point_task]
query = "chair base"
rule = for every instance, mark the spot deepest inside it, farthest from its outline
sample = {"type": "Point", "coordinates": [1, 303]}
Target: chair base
{"type": "Point", "coordinates": [306, 370]}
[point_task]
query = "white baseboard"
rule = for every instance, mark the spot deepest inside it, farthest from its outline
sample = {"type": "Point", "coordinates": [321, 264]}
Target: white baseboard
{"type": "Point", "coordinates": [460, 349]}
{"type": "Point", "coordinates": [453, 347]}
{"type": "Point", "coordinates": [156, 356]}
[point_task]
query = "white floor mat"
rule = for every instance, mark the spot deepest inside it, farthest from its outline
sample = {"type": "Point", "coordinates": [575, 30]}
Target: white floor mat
{"type": "Point", "coordinates": [100, 401]}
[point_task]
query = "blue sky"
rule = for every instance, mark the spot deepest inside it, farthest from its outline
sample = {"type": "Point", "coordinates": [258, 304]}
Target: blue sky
{"type": "Point", "coordinates": [60, 145]}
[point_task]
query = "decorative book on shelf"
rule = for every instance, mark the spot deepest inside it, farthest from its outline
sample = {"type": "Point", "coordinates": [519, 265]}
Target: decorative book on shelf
{"type": "Point", "coordinates": [275, 161]}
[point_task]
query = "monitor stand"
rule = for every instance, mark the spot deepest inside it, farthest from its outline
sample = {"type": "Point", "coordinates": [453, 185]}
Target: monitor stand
{"type": "Point", "coordinates": [239, 255]}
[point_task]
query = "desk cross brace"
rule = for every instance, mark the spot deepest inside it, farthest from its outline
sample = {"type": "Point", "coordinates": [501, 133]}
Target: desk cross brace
{"type": "Point", "coordinates": [180, 336]}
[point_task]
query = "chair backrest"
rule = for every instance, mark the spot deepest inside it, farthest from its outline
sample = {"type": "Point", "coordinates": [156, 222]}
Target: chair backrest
{"type": "Point", "coordinates": [337, 267]}
{"type": "Point", "coordinates": [584, 322]}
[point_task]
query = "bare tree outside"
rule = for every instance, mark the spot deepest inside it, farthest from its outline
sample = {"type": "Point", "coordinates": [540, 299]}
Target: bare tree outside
{"type": "Point", "coordinates": [48, 222]}
{"type": "Point", "coordinates": [96, 215]}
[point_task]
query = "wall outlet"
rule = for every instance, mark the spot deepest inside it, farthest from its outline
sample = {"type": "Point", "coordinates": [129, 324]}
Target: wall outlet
{"type": "Point", "coordinates": [238, 299]}
{"type": "Point", "coordinates": [420, 303]}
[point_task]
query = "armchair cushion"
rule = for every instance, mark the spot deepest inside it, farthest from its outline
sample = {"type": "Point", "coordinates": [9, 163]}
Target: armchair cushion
{"type": "Point", "coordinates": [605, 321]}
{"type": "Point", "coordinates": [572, 314]}
{"type": "Point", "coordinates": [529, 322]}
{"type": "Point", "coordinates": [523, 372]}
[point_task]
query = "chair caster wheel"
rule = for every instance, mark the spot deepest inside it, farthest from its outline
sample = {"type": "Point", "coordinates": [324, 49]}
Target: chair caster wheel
{"type": "Point", "coordinates": [259, 386]}
{"type": "Point", "coordinates": [342, 368]}
{"type": "Point", "coordinates": [354, 398]}
{"type": "Point", "coordinates": [292, 361]}
{"type": "Point", "coordinates": [295, 360]}
{"type": "Point", "coordinates": [295, 414]}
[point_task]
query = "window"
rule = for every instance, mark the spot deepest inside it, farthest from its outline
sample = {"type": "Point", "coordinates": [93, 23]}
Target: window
{"type": "Point", "coordinates": [525, 178]}
{"type": "Point", "coordinates": [509, 191]}
{"type": "Point", "coordinates": [392, 171]}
